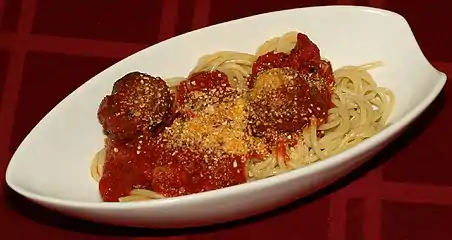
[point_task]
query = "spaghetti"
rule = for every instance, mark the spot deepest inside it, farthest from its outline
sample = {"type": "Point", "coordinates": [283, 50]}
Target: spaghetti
{"type": "Point", "coordinates": [360, 110]}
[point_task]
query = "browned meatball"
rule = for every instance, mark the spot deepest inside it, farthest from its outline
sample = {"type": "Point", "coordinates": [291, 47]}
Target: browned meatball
{"type": "Point", "coordinates": [138, 103]}
{"type": "Point", "coordinates": [283, 101]}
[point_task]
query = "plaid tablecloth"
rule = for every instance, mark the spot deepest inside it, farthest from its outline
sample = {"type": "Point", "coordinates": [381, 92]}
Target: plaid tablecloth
{"type": "Point", "coordinates": [50, 47]}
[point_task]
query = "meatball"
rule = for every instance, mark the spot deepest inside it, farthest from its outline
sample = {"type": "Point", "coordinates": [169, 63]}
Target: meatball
{"type": "Point", "coordinates": [282, 100]}
{"type": "Point", "coordinates": [138, 103]}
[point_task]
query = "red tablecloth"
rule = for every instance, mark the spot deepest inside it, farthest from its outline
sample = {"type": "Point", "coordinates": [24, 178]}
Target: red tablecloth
{"type": "Point", "coordinates": [50, 47]}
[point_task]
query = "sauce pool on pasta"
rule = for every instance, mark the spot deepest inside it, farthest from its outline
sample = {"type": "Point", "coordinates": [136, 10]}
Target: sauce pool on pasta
{"type": "Point", "coordinates": [236, 118]}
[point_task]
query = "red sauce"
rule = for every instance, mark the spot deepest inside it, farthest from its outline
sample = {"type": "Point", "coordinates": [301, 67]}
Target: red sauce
{"type": "Point", "coordinates": [267, 62]}
{"type": "Point", "coordinates": [305, 58]}
{"type": "Point", "coordinates": [165, 171]}
{"type": "Point", "coordinates": [201, 81]}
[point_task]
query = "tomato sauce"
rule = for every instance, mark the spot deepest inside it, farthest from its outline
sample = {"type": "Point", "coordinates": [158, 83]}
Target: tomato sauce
{"type": "Point", "coordinates": [147, 163]}
{"type": "Point", "coordinates": [201, 81]}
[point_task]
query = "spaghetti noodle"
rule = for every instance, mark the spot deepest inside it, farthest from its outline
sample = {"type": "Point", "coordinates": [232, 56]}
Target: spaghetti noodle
{"type": "Point", "coordinates": [360, 110]}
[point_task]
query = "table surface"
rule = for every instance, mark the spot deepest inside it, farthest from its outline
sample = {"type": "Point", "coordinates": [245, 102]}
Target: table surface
{"type": "Point", "coordinates": [54, 46]}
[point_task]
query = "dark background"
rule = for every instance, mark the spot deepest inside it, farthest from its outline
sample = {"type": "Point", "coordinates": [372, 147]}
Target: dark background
{"type": "Point", "coordinates": [50, 47]}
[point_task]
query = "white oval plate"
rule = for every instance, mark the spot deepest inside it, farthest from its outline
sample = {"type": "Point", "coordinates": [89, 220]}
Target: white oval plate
{"type": "Point", "coordinates": [51, 166]}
